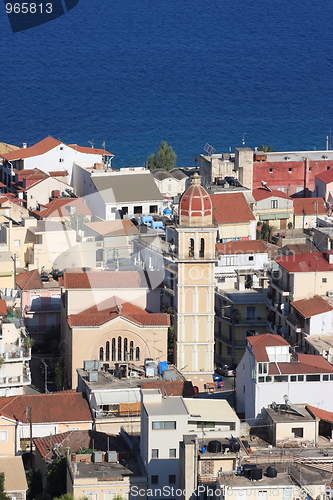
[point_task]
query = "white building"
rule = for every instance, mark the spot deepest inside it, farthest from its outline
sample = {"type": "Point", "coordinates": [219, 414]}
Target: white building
{"type": "Point", "coordinates": [50, 155]}
{"type": "Point", "coordinates": [116, 194]}
{"type": "Point", "coordinates": [269, 370]}
{"type": "Point", "coordinates": [164, 423]}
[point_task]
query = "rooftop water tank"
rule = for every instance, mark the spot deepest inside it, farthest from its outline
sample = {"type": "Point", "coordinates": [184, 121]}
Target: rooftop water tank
{"type": "Point", "coordinates": [255, 474]}
{"type": "Point", "coordinates": [163, 366]}
{"type": "Point", "coordinates": [271, 471]}
{"type": "Point", "coordinates": [146, 218]}
{"type": "Point", "coordinates": [214, 447]}
{"type": "Point", "coordinates": [156, 224]}
{"type": "Point", "coordinates": [167, 211]}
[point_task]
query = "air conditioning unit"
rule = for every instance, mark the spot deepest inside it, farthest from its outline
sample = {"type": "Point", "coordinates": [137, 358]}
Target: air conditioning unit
{"type": "Point", "coordinates": [329, 293]}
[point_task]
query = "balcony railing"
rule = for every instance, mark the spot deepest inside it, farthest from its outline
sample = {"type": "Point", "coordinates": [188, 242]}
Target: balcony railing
{"type": "Point", "coordinates": [24, 379]}
{"type": "Point", "coordinates": [17, 354]}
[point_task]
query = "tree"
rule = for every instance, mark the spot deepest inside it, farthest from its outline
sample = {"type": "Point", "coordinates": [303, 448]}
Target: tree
{"type": "Point", "coordinates": [77, 221]}
{"type": "Point", "coordinates": [3, 495]}
{"type": "Point", "coordinates": [164, 158]}
{"type": "Point", "coordinates": [265, 149]}
{"type": "Point", "coordinates": [56, 477]}
{"type": "Point", "coordinates": [35, 485]}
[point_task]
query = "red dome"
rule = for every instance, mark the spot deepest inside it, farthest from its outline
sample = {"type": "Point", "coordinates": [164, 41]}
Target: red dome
{"type": "Point", "coordinates": [195, 206]}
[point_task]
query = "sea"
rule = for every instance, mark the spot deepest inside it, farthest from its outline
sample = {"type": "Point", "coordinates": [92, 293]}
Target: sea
{"type": "Point", "coordinates": [132, 73]}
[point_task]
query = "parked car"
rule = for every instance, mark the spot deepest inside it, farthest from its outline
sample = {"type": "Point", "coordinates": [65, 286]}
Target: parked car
{"type": "Point", "coordinates": [225, 370]}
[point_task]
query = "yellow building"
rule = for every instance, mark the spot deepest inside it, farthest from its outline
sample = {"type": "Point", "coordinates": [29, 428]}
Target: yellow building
{"type": "Point", "coordinates": [194, 298]}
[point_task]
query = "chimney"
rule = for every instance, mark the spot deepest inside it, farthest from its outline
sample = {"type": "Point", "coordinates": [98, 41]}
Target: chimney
{"type": "Point", "coordinates": [24, 145]}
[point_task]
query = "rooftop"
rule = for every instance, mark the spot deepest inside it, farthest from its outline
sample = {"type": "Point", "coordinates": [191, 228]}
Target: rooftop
{"type": "Point", "coordinates": [241, 247]}
{"type": "Point", "coordinates": [309, 206]}
{"type": "Point", "coordinates": [305, 263]}
{"type": "Point", "coordinates": [284, 414]}
{"type": "Point", "coordinates": [173, 406]}
{"type": "Point", "coordinates": [210, 410]}
{"type": "Point", "coordinates": [262, 194]}
{"type": "Point", "coordinates": [101, 279]}
{"type": "Point", "coordinates": [312, 306]}
{"type": "Point", "coordinates": [127, 188]}
{"type": "Point", "coordinates": [231, 208]}
{"type": "Point", "coordinates": [15, 478]}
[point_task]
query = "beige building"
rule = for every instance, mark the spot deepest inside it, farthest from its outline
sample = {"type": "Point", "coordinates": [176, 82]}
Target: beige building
{"type": "Point", "coordinates": [285, 426]}
{"type": "Point", "coordinates": [233, 216]}
{"type": "Point", "coordinates": [194, 304]}
{"type": "Point", "coordinates": [15, 479]}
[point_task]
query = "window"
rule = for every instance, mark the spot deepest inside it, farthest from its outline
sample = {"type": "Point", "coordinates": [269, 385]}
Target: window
{"type": "Point", "coordinates": [325, 378]}
{"type": "Point", "coordinates": [281, 378]}
{"type": "Point", "coordinates": [3, 436]}
{"type": "Point", "coordinates": [251, 257]}
{"type": "Point", "coordinates": [293, 378]}
{"type": "Point", "coordinates": [274, 203]}
{"type": "Point", "coordinates": [250, 312]}
{"type": "Point", "coordinates": [290, 170]}
{"type": "Point", "coordinates": [310, 169]}
{"type": "Point", "coordinates": [61, 160]}
{"type": "Point", "coordinates": [300, 378]}
{"type": "Point", "coordinates": [205, 425]}
{"type": "Point", "coordinates": [153, 209]}
{"type": "Point", "coordinates": [172, 453]}
{"type": "Point", "coordinates": [202, 248]}
{"type": "Point", "coordinates": [154, 453]}
{"type": "Point", "coordinates": [164, 425]}
{"type": "Point", "coordinates": [17, 243]}
{"type": "Point", "coordinates": [324, 280]}
{"type": "Point", "coordinates": [138, 210]}
{"type": "Point", "coordinates": [191, 247]}
{"type": "Point", "coordinates": [172, 478]}
{"type": "Point", "coordinates": [271, 170]}
{"type": "Point", "coordinates": [124, 210]}
{"type": "Point", "coordinates": [328, 168]}
{"type": "Point", "coordinates": [313, 378]}
{"type": "Point", "coordinates": [154, 480]}
{"type": "Point", "coordinates": [297, 431]}
{"type": "Point", "coordinates": [137, 354]}
{"type": "Point", "coordinates": [101, 354]}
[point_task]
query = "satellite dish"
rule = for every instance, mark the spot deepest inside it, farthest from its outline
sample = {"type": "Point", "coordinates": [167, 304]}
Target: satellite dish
{"type": "Point", "coordinates": [264, 184]}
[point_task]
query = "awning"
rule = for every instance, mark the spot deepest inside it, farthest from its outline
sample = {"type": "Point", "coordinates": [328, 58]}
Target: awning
{"type": "Point", "coordinates": [275, 216]}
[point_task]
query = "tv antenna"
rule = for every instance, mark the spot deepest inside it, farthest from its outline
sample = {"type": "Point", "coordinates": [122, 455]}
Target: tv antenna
{"type": "Point", "coordinates": [209, 149]}
{"type": "Point", "coordinates": [243, 139]}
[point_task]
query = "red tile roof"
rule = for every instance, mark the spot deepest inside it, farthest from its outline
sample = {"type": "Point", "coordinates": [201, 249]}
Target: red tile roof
{"type": "Point", "coordinates": [326, 176]}
{"type": "Point", "coordinates": [89, 151]}
{"type": "Point", "coordinates": [58, 207]}
{"type": "Point", "coordinates": [260, 342]}
{"type": "Point", "coordinates": [29, 280]}
{"type": "Point", "coordinates": [113, 227]}
{"type": "Point", "coordinates": [309, 206]}
{"type": "Point", "coordinates": [58, 173]}
{"type": "Point", "coordinates": [103, 279]}
{"type": "Point", "coordinates": [3, 307]}
{"type": "Point", "coordinates": [322, 414]}
{"type": "Point", "coordinates": [37, 149]}
{"type": "Point", "coordinates": [46, 145]}
{"type": "Point", "coordinates": [171, 388]}
{"type": "Point", "coordinates": [261, 194]}
{"type": "Point", "coordinates": [305, 263]}
{"type": "Point", "coordinates": [67, 406]}
{"type": "Point", "coordinates": [114, 307]}
{"type": "Point", "coordinates": [231, 208]}
{"type": "Point", "coordinates": [75, 440]}
{"type": "Point", "coordinates": [234, 247]}
{"type": "Point", "coordinates": [300, 367]}
{"type": "Point", "coordinates": [311, 307]}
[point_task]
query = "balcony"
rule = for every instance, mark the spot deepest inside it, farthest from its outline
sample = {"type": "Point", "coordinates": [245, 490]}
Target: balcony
{"type": "Point", "coordinates": [42, 308]}
{"type": "Point", "coordinates": [24, 379]}
{"type": "Point", "coordinates": [278, 285]}
{"type": "Point", "coordinates": [17, 354]}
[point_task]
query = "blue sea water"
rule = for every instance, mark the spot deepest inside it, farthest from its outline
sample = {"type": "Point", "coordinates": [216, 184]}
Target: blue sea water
{"type": "Point", "coordinates": [135, 72]}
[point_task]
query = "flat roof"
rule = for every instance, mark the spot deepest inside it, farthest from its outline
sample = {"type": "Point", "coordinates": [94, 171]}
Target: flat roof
{"type": "Point", "coordinates": [171, 406]}
{"type": "Point", "coordinates": [210, 410]}
{"type": "Point", "coordinates": [104, 471]}
{"type": "Point", "coordinates": [320, 342]}
{"type": "Point", "coordinates": [285, 415]}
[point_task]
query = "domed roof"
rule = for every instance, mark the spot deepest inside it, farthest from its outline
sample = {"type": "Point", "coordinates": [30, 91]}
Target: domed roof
{"type": "Point", "coordinates": [195, 206]}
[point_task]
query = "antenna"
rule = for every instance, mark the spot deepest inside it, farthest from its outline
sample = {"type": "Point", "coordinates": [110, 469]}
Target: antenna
{"type": "Point", "coordinates": [243, 139]}
{"type": "Point", "coordinates": [92, 143]}
{"type": "Point", "coordinates": [264, 184]}
{"type": "Point", "coordinates": [209, 149]}
{"type": "Point", "coordinates": [103, 144]}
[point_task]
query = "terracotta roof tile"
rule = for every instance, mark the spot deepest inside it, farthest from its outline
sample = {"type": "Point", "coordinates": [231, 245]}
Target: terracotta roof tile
{"type": "Point", "coordinates": [296, 368]}
{"type": "Point", "coordinates": [75, 440]}
{"type": "Point", "coordinates": [3, 307]}
{"type": "Point", "coordinates": [29, 280]}
{"type": "Point", "coordinates": [326, 176]}
{"type": "Point", "coordinates": [260, 342]}
{"type": "Point", "coordinates": [58, 173]}
{"type": "Point", "coordinates": [234, 247]}
{"type": "Point", "coordinates": [68, 406]}
{"type": "Point", "coordinates": [104, 279]}
{"type": "Point", "coordinates": [171, 388]}
{"type": "Point", "coordinates": [231, 208]}
{"type": "Point", "coordinates": [114, 307]}
{"type": "Point", "coordinates": [89, 151]}
{"type": "Point", "coordinates": [305, 263]}
{"type": "Point", "coordinates": [37, 149]}
{"type": "Point", "coordinates": [58, 207]}
{"type": "Point", "coordinates": [113, 227]}
{"type": "Point", "coordinates": [322, 414]}
{"type": "Point", "coordinates": [261, 194]}
{"type": "Point", "coordinates": [312, 306]}
{"type": "Point", "coordinates": [309, 206]}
